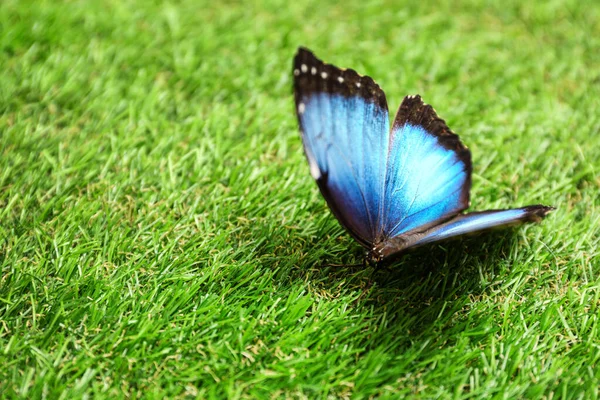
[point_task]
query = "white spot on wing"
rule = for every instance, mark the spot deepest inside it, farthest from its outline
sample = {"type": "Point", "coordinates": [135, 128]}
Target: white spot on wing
{"type": "Point", "coordinates": [296, 72]}
{"type": "Point", "coordinates": [313, 71]}
{"type": "Point", "coordinates": [324, 75]}
{"type": "Point", "coordinates": [315, 172]}
{"type": "Point", "coordinates": [304, 68]}
{"type": "Point", "coordinates": [357, 84]}
{"type": "Point", "coordinates": [301, 108]}
{"type": "Point", "coordinates": [340, 79]}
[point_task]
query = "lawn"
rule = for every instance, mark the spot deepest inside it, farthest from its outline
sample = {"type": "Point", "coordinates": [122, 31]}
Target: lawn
{"type": "Point", "coordinates": [161, 236]}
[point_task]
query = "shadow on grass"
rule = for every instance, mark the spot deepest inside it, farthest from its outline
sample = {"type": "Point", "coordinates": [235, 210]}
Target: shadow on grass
{"type": "Point", "coordinates": [425, 289]}
{"type": "Point", "coordinates": [430, 295]}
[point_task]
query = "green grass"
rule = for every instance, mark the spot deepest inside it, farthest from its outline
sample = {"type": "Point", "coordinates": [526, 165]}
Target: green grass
{"type": "Point", "coordinates": [160, 234]}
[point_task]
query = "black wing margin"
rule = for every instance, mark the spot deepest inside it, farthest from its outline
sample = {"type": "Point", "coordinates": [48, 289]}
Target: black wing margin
{"type": "Point", "coordinates": [414, 111]}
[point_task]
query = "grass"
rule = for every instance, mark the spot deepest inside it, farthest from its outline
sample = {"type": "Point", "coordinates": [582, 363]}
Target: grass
{"type": "Point", "coordinates": [160, 235]}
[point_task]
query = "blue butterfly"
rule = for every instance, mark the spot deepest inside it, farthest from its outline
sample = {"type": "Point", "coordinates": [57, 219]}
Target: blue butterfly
{"type": "Point", "coordinates": [392, 190]}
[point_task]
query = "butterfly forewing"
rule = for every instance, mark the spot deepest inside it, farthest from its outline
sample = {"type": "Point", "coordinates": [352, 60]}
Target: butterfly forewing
{"type": "Point", "coordinates": [344, 123]}
{"type": "Point", "coordinates": [428, 171]}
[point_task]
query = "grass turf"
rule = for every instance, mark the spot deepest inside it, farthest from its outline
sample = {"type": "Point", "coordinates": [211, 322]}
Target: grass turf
{"type": "Point", "coordinates": [160, 234]}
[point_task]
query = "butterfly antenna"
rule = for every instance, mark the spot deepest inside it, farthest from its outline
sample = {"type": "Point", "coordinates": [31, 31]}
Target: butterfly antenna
{"type": "Point", "coordinates": [363, 264]}
{"type": "Point", "coordinates": [345, 265]}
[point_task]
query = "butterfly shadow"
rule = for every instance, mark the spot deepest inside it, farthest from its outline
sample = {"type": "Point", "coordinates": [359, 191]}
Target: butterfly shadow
{"type": "Point", "coordinates": [417, 294]}
{"type": "Point", "coordinates": [425, 288]}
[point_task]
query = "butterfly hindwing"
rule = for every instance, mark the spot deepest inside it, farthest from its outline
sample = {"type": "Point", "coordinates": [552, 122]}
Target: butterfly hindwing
{"type": "Point", "coordinates": [484, 220]}
{"type": "Point", "coordinates": [428, 173]}
{"type": "Point", "coordinates": [344, 124]}
{"type": "Point", "coordinates": [464, 224]}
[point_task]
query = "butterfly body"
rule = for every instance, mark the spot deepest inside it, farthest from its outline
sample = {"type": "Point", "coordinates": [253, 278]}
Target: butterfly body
{"type": "Point", "coordinates": [392, 188]}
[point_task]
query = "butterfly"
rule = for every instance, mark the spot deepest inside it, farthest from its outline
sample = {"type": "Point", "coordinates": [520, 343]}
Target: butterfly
{"type": "Point", "coordinates": [391, 189]}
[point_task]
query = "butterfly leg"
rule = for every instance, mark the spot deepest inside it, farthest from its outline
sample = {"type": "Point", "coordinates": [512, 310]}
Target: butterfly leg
{"type": "Point", "coordinates": [381, 267]}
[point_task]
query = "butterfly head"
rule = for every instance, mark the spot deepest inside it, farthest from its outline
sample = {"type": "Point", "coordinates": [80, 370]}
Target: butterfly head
{"type": "Point", "coordinates": [387, 250]}
{"type": "Point", "coordinates": [374, 256]}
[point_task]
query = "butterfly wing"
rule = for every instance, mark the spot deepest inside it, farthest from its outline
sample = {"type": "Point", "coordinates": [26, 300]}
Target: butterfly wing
{"type": "Point", "coordinates": [471, 223]}
{"type": "Point", "coordinates": [428, 171]}
{"type": "Point", "coordinates": [344, 124]}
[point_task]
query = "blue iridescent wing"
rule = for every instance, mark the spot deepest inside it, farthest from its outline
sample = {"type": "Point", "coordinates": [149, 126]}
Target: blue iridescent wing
{"type": "Point", "coordinates": [428, 175]}
{"type": "Point", "coordinates": [344, 125]}
{"type": "Point", "coordinates": [391, 190]}
{"type": "Point", "coordinates": [465, 224]}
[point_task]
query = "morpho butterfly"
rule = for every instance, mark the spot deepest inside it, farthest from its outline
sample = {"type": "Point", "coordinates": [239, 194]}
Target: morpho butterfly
{"type": "Point", "coordinates": [391, 189]}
